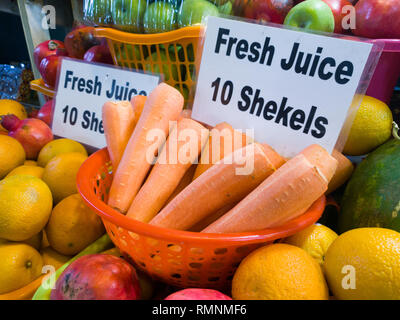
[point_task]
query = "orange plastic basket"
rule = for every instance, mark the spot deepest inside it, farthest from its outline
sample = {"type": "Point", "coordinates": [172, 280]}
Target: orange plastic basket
{"type": "Point", "coordinates": [172, 54]}
{"type": "Point", "coordinates": [179, 258]}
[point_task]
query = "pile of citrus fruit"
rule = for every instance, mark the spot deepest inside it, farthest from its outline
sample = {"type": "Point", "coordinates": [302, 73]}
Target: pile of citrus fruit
{"type": "Point", "coordinates": [43, 220]}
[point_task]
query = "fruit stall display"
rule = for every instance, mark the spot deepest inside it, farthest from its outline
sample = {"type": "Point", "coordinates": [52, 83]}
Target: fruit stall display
{"type": "Point", "coordinates": [113, 225]}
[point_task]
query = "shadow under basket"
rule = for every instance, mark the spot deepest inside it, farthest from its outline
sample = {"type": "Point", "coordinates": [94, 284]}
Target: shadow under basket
{"type": "Point", "coordinates": [179, 258]}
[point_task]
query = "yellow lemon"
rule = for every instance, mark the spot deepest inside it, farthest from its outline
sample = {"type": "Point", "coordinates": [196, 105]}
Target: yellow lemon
{"type": "Point", "coordinates": [20, 264]}
{"type": "Point", "coordinates": [60, 174]}
{"type": "Point", "coordinates": [53, 258]}
{"type": "Point", "coordinates": [56, 147]}
{"type": "Point", "coordinates": [25, 207]}
{"type": "Point", "coordinates": [12, 155]}
{"type": "Point", "coordinates": [73, 226]}
{"type": "Point", "coordinates": [279, 272]}
{"type": "Point", "coordinates": [30, 163]}
{"type": "Point", "coordinates": [364, 264]}
{"type": "Point", "coordinates": [8, 106]}
{"type": "Point", "coordinates": [372, 126]}
{"type": "Point", "coordinates": [26, 170]}
{"type": "Point", "coordinates": [315, 240]}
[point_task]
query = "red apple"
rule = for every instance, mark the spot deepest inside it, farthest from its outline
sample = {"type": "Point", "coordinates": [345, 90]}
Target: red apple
{"type": "Point", "coordinates": [48, 69]}
{"type": "Point", "coordinates": [378, 19]}
{"type": "Point", "coordinates": [99, 53]}
{"type": "Point", "coordinates": [97, 277]}
{"type": "Point", "coordinates": [268, 10]}
{"type": "Point", "coordinates": [337, 6]}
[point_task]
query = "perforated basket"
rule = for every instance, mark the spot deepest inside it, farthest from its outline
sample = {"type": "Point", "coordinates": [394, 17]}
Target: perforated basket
{"type": "Point", "coordinates": [172, 54]}
{"type": "Point", "coordinates": [179, 258]}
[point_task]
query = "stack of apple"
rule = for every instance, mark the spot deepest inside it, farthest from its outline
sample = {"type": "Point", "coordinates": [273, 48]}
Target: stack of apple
{"type": "Point", "coordinates": [371, 18]}
{"type": "Point", "coordinates": [80, 43]}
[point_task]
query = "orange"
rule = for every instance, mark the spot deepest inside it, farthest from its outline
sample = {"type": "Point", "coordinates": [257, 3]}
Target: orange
{"type": "Point", "coordinates": [315, 240]}
{"type": "Point", "coordinates": [25, 207]}
{"type": "Point", "coordinates": [53, 258]}
{"type": "Point", "coordinates": [279, 272]}
{"type": "Point", "coordinates": [8, 106]}
{"type": "Point", "coordinates": [26, 170]}
{"type": "Point", "coordinates": [20, 264]}
{"type": "Point", "coordinates": [12, 155]}
{"type": "Point", "coordinates": [60, 174]}
{"type": "Point", "coordinates": [56, 147]}
{"type": "Point", "coordinates": [73, 226]}
{"type": "Point", "coordinates": [364, 264]}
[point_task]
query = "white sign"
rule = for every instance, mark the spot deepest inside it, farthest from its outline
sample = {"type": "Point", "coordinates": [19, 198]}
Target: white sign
{"type": "Point", "coordinates": [82, 90]}
{"type": "Point", "coordinates": [293, 88]}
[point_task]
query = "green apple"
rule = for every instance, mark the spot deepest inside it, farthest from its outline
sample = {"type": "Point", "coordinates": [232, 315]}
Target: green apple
{"type": "Point", "coordinates": [313, 15]}
{"type": "Point", "coordinates": [161, 60]}
{"type": "Point", "coordinates": [226, 8]}
{"type": "Point", "coordinates": [128, 14]}
{"type": "Point", "coordinates": [100, 12]}
{"type": "Point", "coordinates": [159, 17]}
{"type": "Point", "coordinates": [193, 11]}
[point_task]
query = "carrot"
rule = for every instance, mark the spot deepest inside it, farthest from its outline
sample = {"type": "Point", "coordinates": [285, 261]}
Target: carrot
{"type": "Point", "coordinates": [321, 159]}
{"type": "Point", "coordinates": [219, 186]}
{"type": "Point", "coordinates": [286, 194]}
{"type": "Point", "coordinates": [187, 113]}
{"type": "Point", "coordinates": [343, 172]}
{"type": "Point", "coordinates": [211, 218]}
{"type": "Point", "coordinates": [276, 159]}
{"type": "Point", "coordinates": [185, 181]}
{"type": "Point", "coordinates": [118, 123]}
{"type": "Point", "coordinates": [137, 103]}
{"type": "Point", "coordinates": [222, 141]}
{"type": "Point", "coordinates": [164, 104]}
{"type": "Point", "coordinates": [169, 169]}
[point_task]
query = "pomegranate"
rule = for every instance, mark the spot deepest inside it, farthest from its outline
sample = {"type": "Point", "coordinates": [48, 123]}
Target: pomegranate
{"type": "Point", "coordinates": [99, 53]}
{"type": "Point", "coordinates": [98, 277]}
{"type": "Point", "coordinates": [46, 112]}
{"type": "Point", "coordinates": [45, 49]}
{"type": "Point", "coordinates": [48, 70]}
{"type": "Point", "coordinates": [197, 294]}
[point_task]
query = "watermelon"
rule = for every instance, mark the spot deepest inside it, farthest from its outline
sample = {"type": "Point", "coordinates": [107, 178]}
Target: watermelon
{"type": "Point", "coordinates": [372, 197]}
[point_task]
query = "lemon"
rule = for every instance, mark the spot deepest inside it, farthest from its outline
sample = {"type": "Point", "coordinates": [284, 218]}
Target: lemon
{"type": "Point", "coordinates": [30, 163]}
{"type": "Point", "coordinates": [12, 155]}
{"type": "Point", "coordinates": [279, 272]}
{"type": "Point", "coordinates": [53, 258]}
{"type": "Point", "coordinates": [56, 147]}
{"type": "Point", "coordinates": [73, 226]}
{"type": "Point", "coordinates": [25, 207]}
{"type": "Point", "coordinates": [27, 170]}
{"type": "Point", "coordinates": [8, 106]}
{"type": "Point", "coordinates": [20, 264]}
{"type": "Point", "coordinates": [60, 174]}
{"type": "Point", "coordinates": [372, 126]}
{"type": "Point", "coordinates": [315, 240]}
{"type": "Point", "coordinates": [364, 264]}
